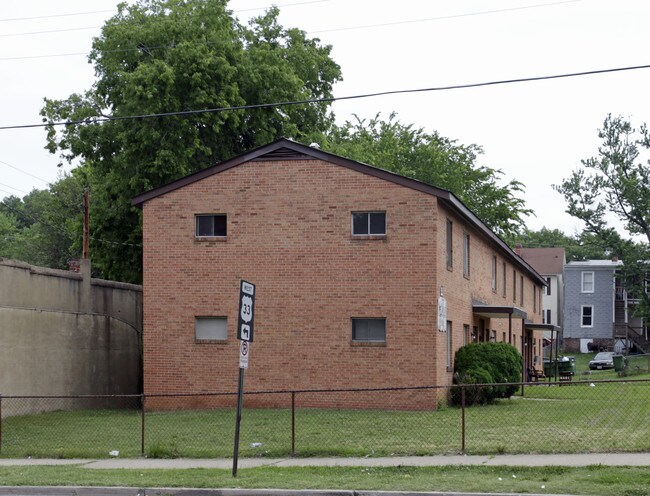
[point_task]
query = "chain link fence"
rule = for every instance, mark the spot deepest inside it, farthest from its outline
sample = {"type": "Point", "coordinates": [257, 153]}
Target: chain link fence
{"type": "Point", "coordinates": [544, 417]}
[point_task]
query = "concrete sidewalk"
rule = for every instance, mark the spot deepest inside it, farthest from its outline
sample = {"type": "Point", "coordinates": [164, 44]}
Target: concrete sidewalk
{"type": "Point", "coordinates": [566, 460]}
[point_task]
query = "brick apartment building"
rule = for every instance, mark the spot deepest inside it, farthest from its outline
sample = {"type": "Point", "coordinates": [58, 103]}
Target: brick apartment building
{"type": "Point", "coordinates": [350, 263]}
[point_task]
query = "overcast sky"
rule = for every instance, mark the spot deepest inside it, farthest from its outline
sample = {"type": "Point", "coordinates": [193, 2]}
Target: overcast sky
{"type": "Point", "coordinates": [535, 132]}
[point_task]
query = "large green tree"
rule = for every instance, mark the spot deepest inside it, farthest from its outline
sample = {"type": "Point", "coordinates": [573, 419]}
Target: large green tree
{"type": "Point", "coordinates": [162, 56]}
{"type": "Point", "coordinates": [434, 159]}
{"type": "Point", "coordinates": [615, 185]}
{"type": "Point", "coordinates": [44, 227]}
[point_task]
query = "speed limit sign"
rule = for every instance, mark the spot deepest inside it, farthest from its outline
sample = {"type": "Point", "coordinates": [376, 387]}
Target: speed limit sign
{"type": "Point", "coordinates": [246, 308]}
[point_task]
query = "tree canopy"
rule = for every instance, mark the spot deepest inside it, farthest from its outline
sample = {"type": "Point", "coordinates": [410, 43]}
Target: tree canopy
{"type": "Point", "coordinates": [163, 56]}
{"type": "Point", "coordinates": [615, 186]}
{"type": "Point", "coordinates": [433, 159]}
{"type": "Point", "coordinates": [178, 57]}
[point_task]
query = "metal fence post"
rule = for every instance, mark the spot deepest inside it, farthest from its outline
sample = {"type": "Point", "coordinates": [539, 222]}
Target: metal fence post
{"type": "Point", "coordinates": [142, 425]}
{"type": "Point", "coordinates": [293, 423]}
{"type": "Point", "coordinates": [462, 410]}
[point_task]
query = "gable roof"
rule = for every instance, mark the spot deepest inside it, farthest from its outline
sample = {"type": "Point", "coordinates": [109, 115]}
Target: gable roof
{"type": "Point", "coordinates": [546, 261]}
{"type": "Point", "coordinates": [285, 149]}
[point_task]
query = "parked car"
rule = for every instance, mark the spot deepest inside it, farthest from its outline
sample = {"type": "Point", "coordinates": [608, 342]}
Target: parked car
{"type": "Point", "coordinates": [603, 360]}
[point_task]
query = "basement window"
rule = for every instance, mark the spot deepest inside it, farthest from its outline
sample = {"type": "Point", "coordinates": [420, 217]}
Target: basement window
{"type": "Point", "coordinates": [369, 330]}
{"type": "Point", "coordinates": [211, 328]}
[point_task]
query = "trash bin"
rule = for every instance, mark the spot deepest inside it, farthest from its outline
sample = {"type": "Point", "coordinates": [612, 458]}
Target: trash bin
{"type": "Point", "coordinates": [567, 365]}
{"type": "Point", "coordinates": [549, 367]}
{"type": "Point", "coordinates": [619, 362]}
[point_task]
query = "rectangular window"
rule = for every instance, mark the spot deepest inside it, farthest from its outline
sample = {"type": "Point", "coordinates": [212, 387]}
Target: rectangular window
{"type": "Point", "coordinates": [534, 298]}
{"type": "Point", "coordinates": [587, 316]}
{"type": "Point", "coordinates": [466, 255]}
{"type": "Point", "coordinates": [449, 344]}
{"type": "Point", "coordinates": [503, 289]}
{"type": "Point", "coordinates": [211, 225]}
{"type": "Point", "coordinates": [514, 286]}
{"type": "Point", "coordinates": [587, 282]}
{"type": "Point", "coordinates": [546, 316]}
{"type": "Point", "coordinates": [547, 290]}
{"type": "Point", "coordinates": [521, 290]}
{"type": "Point", "coordinates": [368, 223]}
{"type": "Point", "coordinates": [210, 328]}
{"type": "Point", "coordinates": [369, 330]}
{"type": "Point", "coordinates": [450, 245]}
{"type": "Point", "coordinates": [494, 272]}
{"type": "Point", "coordinates": [466, 335]}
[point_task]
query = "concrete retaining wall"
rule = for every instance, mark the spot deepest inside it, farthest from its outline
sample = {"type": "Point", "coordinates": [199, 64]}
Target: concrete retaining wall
{"type": "Point", "coordinates": [63, 333]}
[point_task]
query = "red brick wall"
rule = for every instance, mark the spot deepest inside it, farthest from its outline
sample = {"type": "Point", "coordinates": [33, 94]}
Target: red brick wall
{"type": "Point", "coordinates": [289, 232]}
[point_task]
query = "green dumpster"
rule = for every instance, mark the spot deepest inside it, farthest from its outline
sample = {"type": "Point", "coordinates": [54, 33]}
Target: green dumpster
{"type": "Point", "coordinates": [619, 362]}
{"type": "Point", "coordinates": [567, 365]}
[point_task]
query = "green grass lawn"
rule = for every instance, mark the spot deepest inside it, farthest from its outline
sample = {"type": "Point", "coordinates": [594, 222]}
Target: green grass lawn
{"type": "Point", "coordinates": [583, 416]}
{"type": "Point", "coordinates": [594, 480]}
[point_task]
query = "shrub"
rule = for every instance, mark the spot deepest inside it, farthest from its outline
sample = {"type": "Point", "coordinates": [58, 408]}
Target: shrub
{"type": "Point", "coordinates": [486, 363]}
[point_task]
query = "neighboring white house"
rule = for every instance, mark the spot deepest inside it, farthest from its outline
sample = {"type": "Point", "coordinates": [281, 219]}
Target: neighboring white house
{"type": "Point", "coordinates": [549, 263]}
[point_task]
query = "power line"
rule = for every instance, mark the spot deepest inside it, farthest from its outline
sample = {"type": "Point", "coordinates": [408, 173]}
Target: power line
{"type": "Point", "coordinates": [440, 18]}
{"type": "Point", "coordinates": [29, 33]}
{"type": "Point", "coordinates": [11, 187]}
{"type": "Point", "coordinates": [71, 14]}
{"type": "Point", "coordinates": [56, 15]}
{"type": "Point", "coordinates": [48, 31]}
{"type": "Point", "coordinates": [98, 119]}
{"type": "Point", "coordinates": [24, 172]}
{"type": "Point", "coordinates": [349, 28]}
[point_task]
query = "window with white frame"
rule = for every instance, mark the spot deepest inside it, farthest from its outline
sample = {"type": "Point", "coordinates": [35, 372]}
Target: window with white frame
{"type": "Point", "coordinates": [547, 288]}
{"type": "Point", "coordinates": [213, 225]}
{"type": "Point", "coordinates": [368, 223]}
{"type": "Point", "coordinates": [369, 330]}
{"type": "Point", "coordinates": [210, 328]}
{"type": "Point", "coordinates": [503, 280]}
{"type": "Point", "coordinates": [587, 318]}
{"type": "Point", "coordinates": [587, 282]}
{"type": "Point", "coordinates": [494, 272]}
{"type": "Point", "coordinates": [546, 316]}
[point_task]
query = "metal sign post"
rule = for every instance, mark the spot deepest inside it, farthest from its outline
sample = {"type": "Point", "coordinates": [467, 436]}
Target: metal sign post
{"type": "Point", "coordinates": [245, 335]}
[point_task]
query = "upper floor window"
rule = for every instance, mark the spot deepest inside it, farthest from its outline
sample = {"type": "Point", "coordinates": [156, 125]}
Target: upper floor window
{"type": "Point", "coordinates": [211, 225]}
{"type": "Point", "coordinates": [494, 273]}
{"type": "Point", "coordinates": [514, 286]}
{"type": "Point", "coordinates": [450, 245]}
{"type": "Point", "coordinates": [521, 290]}
{"type": "Point", "coordinates": [503, 281]}
{"type": "Point", "coordinates": [534, 298]}
{"type": "Point", "coordinates": [368, 223]}
{"type": "Point", "coordinates": [587, 282]}
{"type": "Point", "coordinates": [547, 288]}
{"type": "Point", "coordinates": [466, 255]}
{"type": "Point", "coordinates": [369, 330]}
